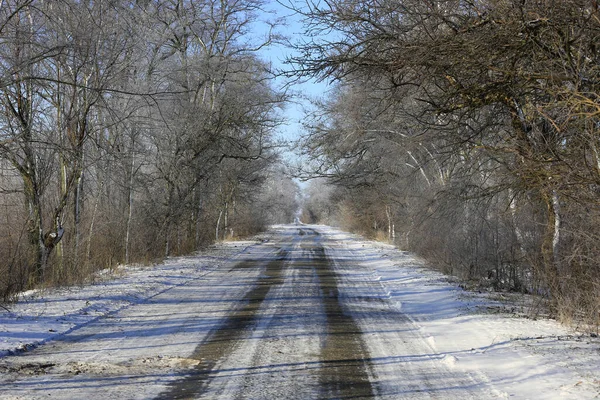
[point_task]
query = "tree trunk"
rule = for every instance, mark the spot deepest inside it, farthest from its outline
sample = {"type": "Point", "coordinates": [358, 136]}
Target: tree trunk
{"type": "Point", "coordinates": [388, 214]}
{"type": "Point", "coordinates": [551, 242]}
{"type": "Point", "coordinates": [231, 232]}
{"type": "Point", "coordinates": [514, 218]}
{"type": "Point", "coordinates": [167, 240]}
{"type": "Point", "coordinates": [198, 213]}
{"type": "Point", "coordinates": [226, 221]}
{"type": "Point", "coordinates": [168, 217]}
{"type": "Point", "coordinates": [63, 190]}
{"type": "Point", "coordinates": [77, 207]}
{"type": "Point", "coordinates": [557, 228]}
{"type": "Point", "coordinates": [92, 223]}
{"type": "Point", "coordinates": [129, 205]}
{"type": "Point", "coordinates": [218, 224]}
{"type": "Point", "coordinates": [35, 224]}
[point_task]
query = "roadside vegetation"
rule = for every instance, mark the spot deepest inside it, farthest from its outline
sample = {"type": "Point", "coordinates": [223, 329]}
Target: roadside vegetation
{"type": "Point", "coordinates": [131, 131]}
{"type": "Point", "coordinates": [466, 131]}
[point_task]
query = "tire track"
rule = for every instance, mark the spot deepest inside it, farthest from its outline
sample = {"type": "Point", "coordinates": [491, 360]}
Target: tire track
{"type": "Point", "coordinates": [344, 357]}
{"type": "Point", "coordinates": [223, 340]}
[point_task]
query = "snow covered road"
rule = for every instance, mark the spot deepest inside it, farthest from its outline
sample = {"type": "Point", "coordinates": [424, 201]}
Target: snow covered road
{"type": "Point", "coordinates": [310, 313]}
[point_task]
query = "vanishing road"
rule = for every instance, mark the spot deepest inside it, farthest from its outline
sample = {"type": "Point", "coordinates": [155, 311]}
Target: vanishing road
{"type": "Point", "coordinates": [294, 317]}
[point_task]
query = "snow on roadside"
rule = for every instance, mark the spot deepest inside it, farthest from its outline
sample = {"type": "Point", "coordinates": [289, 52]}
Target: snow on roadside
{"type": "Point", "coordinates": [519, 357]}
{"type": "Point", "coordinates": [43, 314]}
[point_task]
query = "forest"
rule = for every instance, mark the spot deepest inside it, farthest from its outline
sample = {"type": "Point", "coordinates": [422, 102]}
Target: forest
{"type": "Point", "coordinates": [467, 131]}
{"type": "Point", "coordinates": [131, 131]}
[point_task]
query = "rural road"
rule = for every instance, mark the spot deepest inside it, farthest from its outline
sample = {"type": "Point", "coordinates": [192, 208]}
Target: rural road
{"type": "Point", "coordinates": [294, 317]}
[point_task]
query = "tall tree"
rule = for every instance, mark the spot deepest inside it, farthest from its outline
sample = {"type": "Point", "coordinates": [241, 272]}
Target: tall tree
{"type": "Point", "coordinates": [495, 95]}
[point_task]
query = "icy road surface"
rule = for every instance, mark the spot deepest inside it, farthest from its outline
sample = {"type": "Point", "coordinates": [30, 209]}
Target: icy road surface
{"type": "Point", "coordinates": [309, 313]}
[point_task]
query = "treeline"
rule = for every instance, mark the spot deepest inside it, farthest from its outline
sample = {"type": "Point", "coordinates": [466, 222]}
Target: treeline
{"type": "Point", "coordinates": [130, 131]}
{"type": "Point", "coordinates": [467, 131]}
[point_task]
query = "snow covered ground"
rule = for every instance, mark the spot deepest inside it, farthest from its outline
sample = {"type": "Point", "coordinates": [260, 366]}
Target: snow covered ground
{"type": "Point", "coordinates": [414, 322]}
{"type": "Point", "coordinates": [518, 357]}
{"type": "Point", "coordinates": [41, 315]}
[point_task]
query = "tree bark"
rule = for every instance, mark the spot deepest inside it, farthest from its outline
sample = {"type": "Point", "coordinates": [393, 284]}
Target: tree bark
{"type": "Point", "coordinates": [129, 204]}
{"type": "Point", "coordinates": [218, 224]}
{"type": "Point", "coordinates": [551, 242]}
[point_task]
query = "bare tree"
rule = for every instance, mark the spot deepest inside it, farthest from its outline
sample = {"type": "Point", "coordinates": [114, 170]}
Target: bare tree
{"type": "Point", "coordinates": [485, 97]}
{"type": "Point", "coordinates": [120, 123]}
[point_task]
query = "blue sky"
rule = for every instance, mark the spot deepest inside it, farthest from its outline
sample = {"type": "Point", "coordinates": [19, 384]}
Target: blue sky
{"type": "Point", "coordinates": [277, 54]}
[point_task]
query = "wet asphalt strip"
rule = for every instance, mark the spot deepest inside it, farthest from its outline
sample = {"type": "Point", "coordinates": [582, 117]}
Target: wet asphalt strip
{"type": "Point", "coordinates": [344, 359]}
